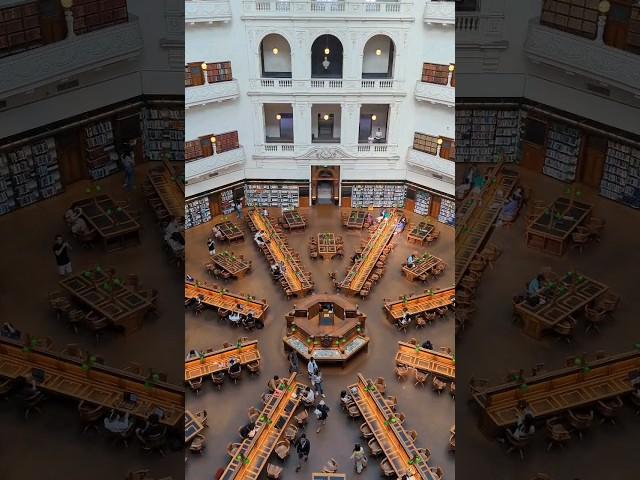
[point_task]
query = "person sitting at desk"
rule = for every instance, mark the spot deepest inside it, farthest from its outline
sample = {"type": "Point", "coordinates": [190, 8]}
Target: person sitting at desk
{"type": "Point", "coordinates": [9, 331]}
{"type": "Point", "coordinates": [249, 321]}
{"type": "Point", "coordinates": [405, 320]}
{"type": "Point", "coordinates": [193, 354]}
{"type": "Point", "coordinates": [356, 257]}
{"type": "Point", "coordinates": [79, 226]}
{"type": "Point", "coordinates": [273, 383]}
{"type": "Point", "coordinates": [259, 238]}
{"type": "Point", "coordinates": [518, 194]}
{"type": "Point", "coordinates": [427, 344]}
{"type": "Point", "coordinates": [345, 398]}
{"type": "Point", "coordinates": [217, 233]}
{"type": "Point", "coordinates": [525, 428]}
{"type": "Point", "coordinates": [150, 429]}
{"type": "Point", "coordinates": [234, 318]}
{"type": "Point", "coordinates": [509, 210]}
{"type": "Point", "coordinates": [410, 261]}
{"type": "Point", "coordinates": [275, 270]}
{"type": "Point", "coordinates": [116, 423]}
{"type": "Point", "coordinates": [27, 388]}
{"type": "Point", "coordinates": [308, 397]}
{"type": "Point", "coordinates": [378, 136]}
{"type": "Point", "coordinates": [73, 214]}
{"type": "Point", "coordinates": [234, 367]}
{"type": "Point", "coordinates": [400, 226]}
{"type": "Point", "coordinates": [265, 212]}
{"type": "Point", "coordinates": [248, 431]}
{"type": "Point", "coordinates": [536, 286]}
{"type": "Point", "coordinates": [369, 219]}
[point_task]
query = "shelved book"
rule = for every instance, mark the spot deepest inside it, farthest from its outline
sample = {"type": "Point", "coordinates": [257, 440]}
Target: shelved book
{"type": "Point", "coordinates": [447, 213]}
{"type": "Point", "coordinates": [163, 134]}
{"type": "Point", "coordinates": [226, 202]}
{"type": "Point", "coordinates": [378, 195]}
{"type": "Point", "coordinates": [423, 203]}
{"type": "Point", "coordinates": [484, 134]}
{"type": "Point", "coordinates": [196, 212]}
{"type": "Point", "coordinates": [286, 197]}
{"type": "Point", "coordinates": [561, 156]}
{"type": "Point", "coordinates": [621, 174]}
{"type": "Point", "coordinates": [19, 28]}
{"type": "Point", "coordinates": [28, 174]}
{"type": "Point", "coordinates": [100, 153]}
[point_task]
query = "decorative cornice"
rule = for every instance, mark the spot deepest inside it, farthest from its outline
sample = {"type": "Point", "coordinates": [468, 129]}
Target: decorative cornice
{"type": "Point", "coordinates": [583, 56]}
{"type": "Point", "coordinates": [67, 58]}
{"type": "Point", "coordinates": [206, 11]}
{"type": "Point", "coordinates": [326, 153]}
{"type": "Point", "coordinates": [211, 92]}
{"type": "Point", "coordinates": [434, 93]}
{"type": "Point", "coordinates": [441, 12]}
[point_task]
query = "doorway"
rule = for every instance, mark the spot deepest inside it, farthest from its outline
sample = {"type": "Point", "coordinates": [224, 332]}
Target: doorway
{"type": "Point", "coordinates": [325, 185]}
{"type": "Point", "coordinates": [325, 127]}
{"type": "Point", "coordinates": [325, 192]}
{"type": "Point", "coordinates": [366, 127]}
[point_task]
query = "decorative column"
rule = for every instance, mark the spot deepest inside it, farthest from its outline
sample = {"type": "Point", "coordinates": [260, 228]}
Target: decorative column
{"type": "Point", "coordinates": [300, 57]}
{"type": "Point", "coordinates": [350, 123]}
{"type": "Point", "coordinates": [258, 123]}
{"type": "Point", "coordinates": [603, 8]}
{"type": "Point", "coordinates": [301, 124]}
{"type": "Point", "coordinates": [68, 17]}
{"type": "Point", "coordinates": [392, 122]}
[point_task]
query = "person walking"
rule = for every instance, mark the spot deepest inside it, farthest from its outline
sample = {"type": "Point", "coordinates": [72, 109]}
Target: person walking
{"type": "Point", "coordinates": [359, 458]}
{"type": "Point", "coordinates": [322, 413]}
{"type": "Point", "coordinates": [312, 367]}
{"type": "Point", "coordinates": [293, 361]}
{"type": "Point", "coordinates": [61, 250]}
{"type": "Point", "coordinates": [239, 209]}
{"type": "Point", "coordinates": [212, 247]}
{"type": "Point", "coordinates": [316, 381]}
{"type": "Point", "coordinates": [128, 163]}
{"type": "Point", "coordinates": [303, 447]}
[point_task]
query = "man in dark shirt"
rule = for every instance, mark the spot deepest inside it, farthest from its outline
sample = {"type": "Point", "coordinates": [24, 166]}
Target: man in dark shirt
{"type": "Point", "coordinates": [61, 251]}
{"type": "Point", "coordinates": [151, 428]}
{"type": "Point", "coordinates": [303, 447]}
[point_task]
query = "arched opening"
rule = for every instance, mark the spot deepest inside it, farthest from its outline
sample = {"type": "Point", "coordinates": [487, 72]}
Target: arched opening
{"type": "Point", "coordinates": [275, 57]}
{"type": "Point", "coordinates": [326, 57]}
{"type": "Point", "coordinates": [377, 57]}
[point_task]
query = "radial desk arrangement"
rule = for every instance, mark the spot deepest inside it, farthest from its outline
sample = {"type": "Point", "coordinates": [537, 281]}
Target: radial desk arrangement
{"type": "Point", "coordinates": [361, 270]}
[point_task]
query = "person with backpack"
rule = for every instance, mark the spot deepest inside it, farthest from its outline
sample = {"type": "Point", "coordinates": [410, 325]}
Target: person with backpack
{"type": "Point", "coordinates": [322, 413]}
{"type": "Point", "coordinates": [303, 447]}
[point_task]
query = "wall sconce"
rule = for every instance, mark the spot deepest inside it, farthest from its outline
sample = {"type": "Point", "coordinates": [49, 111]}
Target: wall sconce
{"type": "Point", "coordinates": [374, 117]}
{"type": "Point", "coordinates": [604, 7]}
{"type": "Point", "coordinates": [327, 51]}
{"type": "Point", "coordinates": [204, 66]}
{"type": "Point", "coordinates": [378, 52]}
{"type": "Point", "coordinates": [213, 144]}
{"type": "Point", "coordinates": [68, 17]}
{"type": "Point", "coordinates": [275, 51]}
{"type": "Point", "coordinates": [278, 117]}
{"type": "Point", "coordinates": [439, 141]}
{"type": "Point", "coordinates": [452, 67]}
{"type": "Point", "coordinates": [326, 117]}
{"type": "Point", "coordinates": [213, 140]}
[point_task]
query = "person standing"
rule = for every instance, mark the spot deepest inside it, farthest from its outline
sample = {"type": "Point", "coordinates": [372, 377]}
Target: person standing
{"type": "Point", "coordinates": [61, 250]}
{"type": "Point", "coordinates": [316, 381]}
{"type": "Point", "coordinates": [322, 413]}
{"type": "Point", "coordinates": [211, 246]}
{"type": "Point", "coordinates": [303, 447]}
{"type": "Point", "coordinates": [128, 163]}
{"type": "Point", "coordinates": [293, 362]}
{"type": "Point", "coordinates": [359, 458]}
{"type": "Point", "coordinates": [239, 209]}
{"type": "Point", "coordinates": [312, 367]}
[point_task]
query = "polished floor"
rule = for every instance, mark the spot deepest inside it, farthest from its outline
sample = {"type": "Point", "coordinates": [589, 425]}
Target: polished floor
{"type": "Point", "coordinates": [491, 345]}
{"type": "Point", "coordinates": [34, 448]}
{"type": "Point", "coordinates": [427, 413]}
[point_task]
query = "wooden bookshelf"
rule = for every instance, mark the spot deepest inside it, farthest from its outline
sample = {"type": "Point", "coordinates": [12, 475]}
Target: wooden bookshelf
{"type": "Point", "coordinates": [227, 141]}
{"type": "Point", "coordinates": [197, 212]}
{"type": "Point", "coordinates": [423, 203]}
{"type": "Point", "coordinates": [90, 15]}
{"type": "Point", "coordinates": [378, 195]}
{"type": "Point", "coordinates": [193, 74]}
{"type": "Point", "coordinates": [163, 134]}
{"type": "Point", "coordinates": [621, 174]}
{"type": "Point", "coordinates": [576, 16]}
{"type": "Point", "coordinates": [425, 143]}
{"type": "Point", "coordinates": [447, 214]}
{"type": "Point", "coordinates": [219, 72]}
{"type": "Point", "coordinates": [435, 73]}
{"type": "Point", "coordinates": [99, 149]}
{"type": "Point", "coordinates": [286, 197]}
{"type": "Point", "coordinates": [192, 150]}
{"type": "Point", "coordinates": [484, 134]}
{"type": "Point", "coordinates": [448, 149]}
{"type": "Point", "coordinates": [563, 149]}
{"type": "Point", "coordinates": [19, 28]}
{"type": "Point", "coordinates": [200, 148]}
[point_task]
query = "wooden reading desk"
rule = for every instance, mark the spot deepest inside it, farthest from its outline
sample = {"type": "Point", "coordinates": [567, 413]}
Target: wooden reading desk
{"type": "Point", "coordinates": [294, 220]}
{"type": "Point", "coordinates": [478, 213]}
{"type": "Point", "coordinates": [253, 454]}
{"type": "Point", "coordinates": [293, 274]}
{"type": "Point", "coordinates": [422, 303]}
{"type": "Point", "coordinates": [235, 266]}
{"type": "Point", "coordinates": [360, 271]}
{"type": "Point", "coordinates": [230, 231]}
{"type": "Point", "coordinates": [393, 439]}
{"type": "Point", "coordinates": [114, 225]}
{"type": "Point", "coordinates": [109, 297]}
{"type": "Point", "coordinates": [192, 426]}
{"type": "Point", "coordinates": [428, 361]}
{"type": "Point", "coordinates": [96, 383]}
{"type": "Point", "coordinates": [420, 232]}
{"type": "Point", "coordinates": [356, 219]}
{"type": "Point", "coordinates": [421, 266]}
{"type": "Point", "coordinates": [225, 300]}
{"type": "Point", "coordinates": [551, 231]}
{"type": "Point", "coordinates": [218, 361]}
{"type": "Point", "coordinates": [569, 295]}
{"type": "Point", "coordinates": [167, 186]}
{"type": "Point", "coordinates": [327, 248]}
{"type": "Point", "coordinates": [556, 392]}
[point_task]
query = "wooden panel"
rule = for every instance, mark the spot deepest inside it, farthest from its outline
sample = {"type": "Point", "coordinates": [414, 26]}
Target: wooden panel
{"type": "Point", "coordinates": [532, 157]}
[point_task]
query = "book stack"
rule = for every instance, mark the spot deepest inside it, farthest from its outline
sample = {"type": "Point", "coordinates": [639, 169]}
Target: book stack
{"type": "Point", "coordinates": [100, 154]}
{"type": "Point", "coordinates": [621, 174]}
{"type": "Point", "coordinates": [163, 134]}
{"type": "Point", "coordinates": [196, 212]}
{"type": "Point", "coordinates": [286, 197]}
{"type": "Point", "coordinates": [423, 203]}
{"type": "Point", "coordinates": [447, 213]}
{"type": "Point", "coordinates": [561, 156]}
{"type": "Point", "coordinates": [378, 195]}
{"type": "Point", "coordinates": [226, 202]}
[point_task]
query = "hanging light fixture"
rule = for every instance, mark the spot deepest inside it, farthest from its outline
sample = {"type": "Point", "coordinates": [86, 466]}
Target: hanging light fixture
{"type": "Point", "coordinates": [439, 141]}
{"type": "Point", "coordinates": [378, 52]}
{"type": "Point", "coordinates": [278, 117]}
{"type": "Point", "coordinates": [326, 117]}
{"type": "Point", "coordinates": [326, 62]}
{"type": "Point", "coordinates": [213, 139]}
{"type": "Point", "coordinates": [275, 51]}
{"type": "Point", "coordinates": [204, 66]}
{"type": "Point", "coordinates": [452, 67]}
{"type": "Point", "coordinates": [374, 117]}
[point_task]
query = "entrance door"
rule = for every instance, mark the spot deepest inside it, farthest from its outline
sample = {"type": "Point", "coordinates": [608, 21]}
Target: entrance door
{"type": "Point", "coordinates": [325, 192]}
{"type": "Point", "coordinates": [366, 125]}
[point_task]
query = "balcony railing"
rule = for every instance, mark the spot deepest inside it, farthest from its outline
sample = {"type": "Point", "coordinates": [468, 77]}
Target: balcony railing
{"type": "Point", "coordinates": [480, 29]}
{"type": "Point", "coordinates": [435, 93]}
{"type": "Point", "coordinates": [211, 92]}
{"type": "Point", "coordinates": [401, 10]}
{"type": "Point", "coordinates": [326, 152]}
{"type": "Point", "coordinates": [289, 86]}
{"type": "Point", "coordinates": [437, 167]}
{"type": "Point", "coordinates": [441, 12]}
{"type": "Point", "coordinates": [206, 11]}
{"type": "Point", "coordinates": [54, 62]}
{"type": "Point", "coordinates": [583, 56]}
{"type": "Point", "coordinates": [207, 167]}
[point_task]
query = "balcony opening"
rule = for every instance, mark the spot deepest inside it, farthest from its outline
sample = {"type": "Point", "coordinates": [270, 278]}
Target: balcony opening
{"type": "Point", "coordinates": [278, 123]}
{"type": "Point", "coordinates": [373, 124]}
{"type": "Point", "coordinates": [326, 57]}
{"type": "Point", "coordinates": [275, 57]}
{"type": "Point", "coordinates": [377, 58]}
{"type": "Point", "coordinates": [325, 123]}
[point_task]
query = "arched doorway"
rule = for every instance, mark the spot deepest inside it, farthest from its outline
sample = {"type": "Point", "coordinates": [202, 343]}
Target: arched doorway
{"type": "Point", "coordinates": [377, 57]}
{"type": "Point", "coordinates": [326, 57]}
{"type": "Point", "coordinates": [325, 184]}
{"type": "Point", "coordinates": [275, 57]}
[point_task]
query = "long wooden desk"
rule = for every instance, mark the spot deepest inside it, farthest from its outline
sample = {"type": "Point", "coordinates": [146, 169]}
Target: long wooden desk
{"type": "Point", "coordinates": [166, 187]}
{"type": "Point", "coordinates": [422, 303]}
{"type": "Point", "coordinates": [236, 267]}
{"type": "Point", "coordinates": [225, 300]}
{"type": "Point", "coordinates": [421, 266]}
{"type": "Point", "coordinates": [253, 454]}
{"type": "Point", "coordinates": [98, 384]}
{"type": "Point", "coordinates": [557, 392]}
{"type": "Point", "coordinates": [114, 225]}
{"type": "Point", "coordinates": [218, 361]}
{"type": "Point", "coordinates": [568, 297]}
{"type": "Point", "coordinates": [392, 437]}
{"type": "Point", "coordinates": [360, 271]}
{"type": "Point", "coordinates": [428, 361]}
{"type": "Point", "coordinates": [551, 231]}
{"type": "Point", "coordinates": [479, 214]}
{"type": "Point", "coordinates": [109, 297]}
{"type": "Point", "coordinates": [192, 426]}
{"type": "Point", "coordinates": [420, 232]}
{"type": "Point", "coordinates": [356, 219]}
{"type": "Point", "coordinates": [294, 274]}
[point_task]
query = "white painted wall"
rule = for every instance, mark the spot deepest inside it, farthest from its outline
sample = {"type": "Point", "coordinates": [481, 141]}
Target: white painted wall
{"type": "Point", "coordinates": [280, 62]}
{"type": "Point", "coordinates": [373, 63]}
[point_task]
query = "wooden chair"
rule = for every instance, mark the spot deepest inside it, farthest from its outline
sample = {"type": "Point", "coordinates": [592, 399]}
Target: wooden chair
{"type": "Point", "coordinates": [557, 433]}
{"type": "Point", "coordinates": [96, 323]}
{"type": "Point", "coordinates": [478, 385]}
{"type": "Point", "coordinates": [420, 378]}
{"type": "Point", "coordinates": [387, 469]}
{"type": "Point", "coordinates": [565, 329]}
{"type": "Point", "coordinates": [517, 444]}
{"type": "Point", "coordinates": [302, 418]}
{"type": "Point", "coordinates": [413, 435]}
{"type": "Point", "coordinates": [438, 385]}
{"type": "Point", "coordinates": [374, 447]}
{"type": "Point", "coordinates": [452, 390]}
{"type": "Point", "coordinates": [438, 473]}
{"type": "Point", "coordinates": [73, 350]}
{"type": "Point", "coordinates": [594, 317]}
{"type": "Point", "coordinates": [595, 226]}
{"type": "Point", "coordinates": [401, 417]}
{"type": "Point", "coordinates": [90, 415]}
{"type": "Point", "coordinates": [353, 411]}
{"type": "Point", "coordinates": [331, 466]}
{"type": "Point", "coordinates": [74, 318]}
{"type": "Point", "coordinates": [196, 384]}
{"type": "Point", "coordinates": [365, 431]}
{"type": "Point", "coordinates": [392, 402]}
{"type": "Point", "coordinates": [134, 368]}
{"type": "Point", "coordinates": [218, 380]}
{"type": "Point", "coordinates": [425, 454]}
{"type": "Point", "coordinates": [274, 471]}
{"type": "Point", "coordinates": [401, 372]}
{"type": "Point", "coordinates": [283, 447]}
{"type": "Point", "coordinates": [608, 302]}
{"type": "Point", "coordinates": [380, 385]}
{"type": "Point", "coordinates": [253, 414]}
{"type": "Point", "coordinates": [232, 449]}
{"type": "Point", "coordinates": [579, 239]}
{"type": "Point", "coordinates": [254, 367]}
{"type": "Point", "coordinates": [291, 432]}
{"type": "Point", "coordinates": [580, 421]}
{"type": "Point", "coordinates": [198, 444]}
{"type": "Point", "coordinates": [609, 409]}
